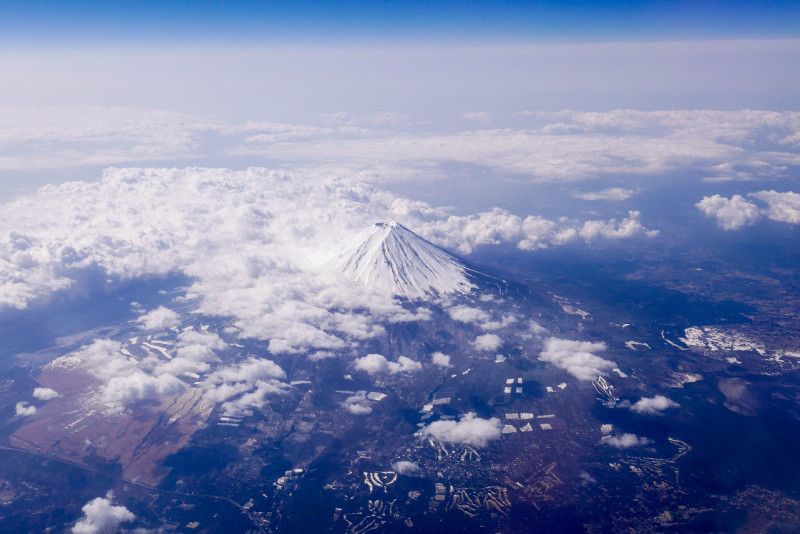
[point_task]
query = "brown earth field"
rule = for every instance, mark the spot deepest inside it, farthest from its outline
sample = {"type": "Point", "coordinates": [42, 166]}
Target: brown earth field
{"type": "Point", "coordinates": [77, 428]}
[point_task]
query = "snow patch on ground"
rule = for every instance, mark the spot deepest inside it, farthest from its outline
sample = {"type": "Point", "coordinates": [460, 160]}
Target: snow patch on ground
{"type": "Point", "coordinates": [715, 339]}
{"type": "Point", "coordinates": [720, 340]}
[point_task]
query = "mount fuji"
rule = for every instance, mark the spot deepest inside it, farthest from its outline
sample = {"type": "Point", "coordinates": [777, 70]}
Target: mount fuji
{"type": "Point", "coordinates": [391, 256]}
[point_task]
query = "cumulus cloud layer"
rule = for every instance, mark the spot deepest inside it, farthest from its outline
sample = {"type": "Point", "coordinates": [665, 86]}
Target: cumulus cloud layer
{"type": "Point", "coordinates": [467, 314]}
{"type": "Point", "coordinates": [194, 353]}
{"type": "Point", "coordinates": [625, 441]}
{"type": "Point", "coordinates": [374, 364]}
{"type": "Point", "coordinates": [653, 406]}
{"type": "Point", "coordinates": [578, 358]}
{"type": "Point", "coordinates": [252, 242]}
{"type": "Point", "coordinates": [240, 387]}
{"type": "Point", "coordinates": [487, 342]}
{"type": "Point", "coordinates": [45, 393]}
{"type": "Point", "coordinates": [465, 233]}
{"type": "Point", "coordinates": [358, 404]}
{"type": "Point", "coordinates": [122, 381]}
{"type": "Point", "coordinates": [571, 146]}
{"type": "Point", "coordinates": [470, 430]}
{"type": "Point", "coordinates": [159, 319]}
{"type": "Point", "coordinates": [241, 236]}
{"type": "Point", "coordinates": [781, 207]}
{"type": "Point", "coordinates": [404, 467]}
{"type": "Point", "coordinates": [731, 213]}
{"type": "Point", "coordinates": [23, 409]}
{"type": "Point", "coordinates": [120, 391]}
{"type": "Point", "coordinates": [735, 213]}
{"type": "Point", "coordinates": [102, 517]}
{"type": "Point", "coordinates": [541, 146]}
{"type": "Point", "coordinates": [246, 385]}
{"type": "Point", "coordinates": [440, 359]}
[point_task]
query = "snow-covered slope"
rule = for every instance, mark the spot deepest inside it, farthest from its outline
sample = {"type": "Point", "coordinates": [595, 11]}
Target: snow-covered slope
{"type": "Point", "coordinates": [391, 256]}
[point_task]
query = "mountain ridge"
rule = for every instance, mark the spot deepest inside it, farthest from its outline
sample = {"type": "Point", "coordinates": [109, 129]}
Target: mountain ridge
{"type": "Point", "coordinates": [389, 255]}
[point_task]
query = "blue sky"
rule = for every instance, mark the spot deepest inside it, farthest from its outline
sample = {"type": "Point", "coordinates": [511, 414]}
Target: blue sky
{"type": "Point", "coordinates": [431, 61]}
{"type": "Point", "coordinates": [43, 23]}
{"type": "Point", "coordinates": [85, 82]}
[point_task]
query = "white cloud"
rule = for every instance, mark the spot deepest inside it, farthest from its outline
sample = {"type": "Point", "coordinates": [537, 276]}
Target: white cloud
{"type": "Point", "coordinates": [478, 116]}
{"type": "Point", "coordinates": [27, 272]}
{"type": "Point", "coordinates": [194, 353]}
{"type": "Point", "coordinates": [653, 406]}
{"type": "Point", "coordinates": [470, 430]}
{"type": "Point", "coordinates": [358, 404]}
{"type": "Point", "coordinates": [121, 391]}
{"type": "Point", "coordinates": [321, 355]}
{"type": "Point", "coordinates": [253, 395]}
{"type": "Point", "coordinates": [625, 441]}
{"type": "Point", "coordinates": [504, 321]}
{"type": "Point", "coordinates": [782, 207]}
{"type": "Point", "coordinates": [45, 393]}
{"type": "Point", "coordinates": [100, 516]}
{"type": "Point", "coordinates": [388, 118]}
{"type": "Point", "coordinates": [240, 387]}
{"type": "Point", "coordinates": [465, 233]}
{"type": "Point", "coordinates": [23, 409]}
{"type": "Point", "coordinates": [372, 364]}
{"type": "Point", "coordinates": [578, 358]}
{"type": "Point", "coordinates": [613, 193]}
{"type": "Point", "coordinates": [735, 213]}
{"type": "Point", "coordinates": [420, 314]}
{"type": "Point", "coordinates": [569, 146]}
{"type": "Point", "coordinates": [440, 359]}
{"type": "Point", "coordinates": [245, 238]}
{"type": "Point", "coordinates": [244, 386]}
{"type": "Point", "coordinates": [95, 135]}
{"type": "Point", "coordinates": [122, 382]}
{"type": "Point", "coordinates": [467, 314]}
{"type": "Point", "coordinates": [611, 229]}
{"type": "Point", "coordinates": [252, 368]}
{"type": "Point", "coordinates": [404, 467]}
{"type": "Point", "coordinates": [378, 364]}
{"type": "Point", "coordinates": [668, 74]}
{"type": "Point", "coordinates": [731, 213]}
{"type": "Point", "coordinates": [487, 342]}
{"type": "Point", "coordinates": [160, 318]}
{"type": "Point", "coordinates": [547, 146]}
{"type": "Point", "coordinates": [102, 358]}
{"type": "Point", "coordinates": [536, 328]}
{"type": "Point", "coordinates": [404, 365]}
{"type": "Point", "coordinates": [74, 136]}
{"type": "Point", "coordinates": [249, 240]}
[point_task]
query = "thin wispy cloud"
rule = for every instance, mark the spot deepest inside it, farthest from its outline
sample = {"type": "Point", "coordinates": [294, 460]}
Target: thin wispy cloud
{"type": "Point", "coordinates": [613, 193]}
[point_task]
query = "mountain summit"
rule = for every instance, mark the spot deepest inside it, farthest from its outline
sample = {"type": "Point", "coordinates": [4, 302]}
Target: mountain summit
{"type": "Point", "coordinates": [390, 255]}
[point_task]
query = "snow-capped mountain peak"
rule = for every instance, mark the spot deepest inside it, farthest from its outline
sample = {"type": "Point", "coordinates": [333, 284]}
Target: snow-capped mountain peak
{"type": "Point", "coordinates": [391, 256]}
